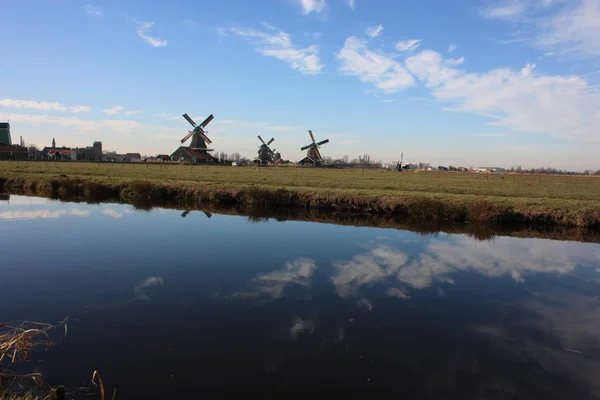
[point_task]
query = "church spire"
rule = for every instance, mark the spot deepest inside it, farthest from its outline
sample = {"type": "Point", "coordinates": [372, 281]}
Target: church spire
{"type": "Point", "coordinates": [53, 143]}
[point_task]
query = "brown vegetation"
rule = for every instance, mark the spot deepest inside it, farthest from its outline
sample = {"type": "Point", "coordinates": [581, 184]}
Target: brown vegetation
{"type": "Point", "coordinates": [568, 201]}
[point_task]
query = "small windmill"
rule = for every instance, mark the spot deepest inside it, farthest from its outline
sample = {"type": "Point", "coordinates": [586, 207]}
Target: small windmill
{"type": "Point", "coordinates": [265, 153]}
{"type": "Point", "coordinates": [313, 155]}
{"type": "Point", "coordinates": [198, 151]}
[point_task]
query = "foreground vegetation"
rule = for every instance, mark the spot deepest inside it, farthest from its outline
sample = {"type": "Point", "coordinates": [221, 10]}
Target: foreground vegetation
{"type": "Point", "coordinates": [564, 200]}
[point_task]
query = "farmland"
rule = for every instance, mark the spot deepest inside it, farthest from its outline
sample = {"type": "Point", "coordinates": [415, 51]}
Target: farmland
{"type": "Point", "coordinates": [569, 200]}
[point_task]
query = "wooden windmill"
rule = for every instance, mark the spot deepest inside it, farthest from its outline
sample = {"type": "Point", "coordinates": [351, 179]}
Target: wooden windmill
{"type": "Point", "coordinates": [265, 153]}
{"type": "Point", "coordinates": [313, 155]}
{"type": "Point", "coordinates": [198, 151]}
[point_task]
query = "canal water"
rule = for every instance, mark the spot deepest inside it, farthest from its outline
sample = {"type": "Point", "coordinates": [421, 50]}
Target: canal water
{"type": "Point", "coordinates": [166, 304]}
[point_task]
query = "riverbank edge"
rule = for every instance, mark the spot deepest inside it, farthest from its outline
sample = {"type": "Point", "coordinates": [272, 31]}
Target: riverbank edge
{"type": "Point", "coordinates": [418, 206]}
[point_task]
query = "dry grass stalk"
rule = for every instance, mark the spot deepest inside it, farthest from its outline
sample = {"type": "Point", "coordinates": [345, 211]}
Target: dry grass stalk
{"type": "Point", "coordinates": [17, 342]}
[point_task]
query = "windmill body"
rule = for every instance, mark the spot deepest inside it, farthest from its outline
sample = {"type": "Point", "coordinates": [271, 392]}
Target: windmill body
{"type": "Point", "coordinates": [313, 155]}
{"type": "Point", "coordinates": [198, 151]}
{"type": "Point", "coordinates": [266, 155]}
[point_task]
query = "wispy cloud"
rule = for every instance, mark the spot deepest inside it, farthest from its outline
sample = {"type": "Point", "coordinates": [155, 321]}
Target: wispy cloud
{"type": "Point", "coordinates": [506, 10]}
{"type": "Point", "coordinates": [455, 61]}
{"type": "Point", "coordinates": [92, 11]}
{"type": "Point", "coordinates": [190, 23]}
{"type": "Point", "coordinates": [111, 213]}
{"type": "Point", "coordinates": [452, 48]}
{"type": "Point", "coordinates": [113, 110]}
{"type": "Point", "coordinates": [309, 6]}
{"type": "Point", "coordinates": [573, 29]}
{"type": "Point", "coordinates": [408, 45]}
{"type": "Point", "coordinates": [42, 106]}
{"type": "Point", "coordinates": [374, 31]}
{"type": "Point", "coordinates": [351, 3]}
{"type": "Point", "coordinates": [279, 45]}
{"type": "Point", "coordinates": [131, 112]}
{"type": "Point", "coordinates": [559, 27]}
{"type": "Point", "coordinates": [141, 289]}
{"type": "Point", "coordinates": [375, 67]}
{"type": "Point", "coordinates": [143, 28]}
{"type": "Point", "coordinates": [516, 99]}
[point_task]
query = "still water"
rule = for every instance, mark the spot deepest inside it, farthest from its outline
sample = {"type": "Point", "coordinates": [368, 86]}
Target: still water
{"type": "Point", "coordinates": [218, 306]}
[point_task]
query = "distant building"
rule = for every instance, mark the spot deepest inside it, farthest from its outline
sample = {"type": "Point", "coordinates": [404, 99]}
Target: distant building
{"type": "Point", "coordinates": [89, 153]}
{"type": "Point", "coordinates": [490, 169]}
{"type": "Point", "coordinates": [62, 154]}
{"type": "Point", "coordinates": [5, 138]}
{"type": "Point", "coordinates": [13, 152]}
{"type": "Point", "coordinates": [189, 155]}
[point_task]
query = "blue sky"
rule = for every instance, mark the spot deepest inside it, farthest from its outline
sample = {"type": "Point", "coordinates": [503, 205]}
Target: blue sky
{"type": "Point", "coordinates": [508, 82]}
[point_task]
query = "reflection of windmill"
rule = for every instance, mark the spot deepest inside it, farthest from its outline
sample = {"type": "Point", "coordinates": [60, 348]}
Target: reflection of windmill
{"type": "Point", "coordinates": [265, 154]}
{"type": "Point", "coordinates": [313, 155]}
{"type": "Point", "coordinates": [186, 212]}
{"type": "Point", "coordinates": [198, 151]}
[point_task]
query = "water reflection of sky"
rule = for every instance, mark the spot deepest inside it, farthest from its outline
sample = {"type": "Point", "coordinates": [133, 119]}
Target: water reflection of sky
{"type": "Point", "coordinates": [276, 307]}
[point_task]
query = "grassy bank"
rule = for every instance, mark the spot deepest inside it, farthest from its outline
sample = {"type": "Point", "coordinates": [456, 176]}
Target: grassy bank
{"type": "Point", "coordinates": [446, 196]}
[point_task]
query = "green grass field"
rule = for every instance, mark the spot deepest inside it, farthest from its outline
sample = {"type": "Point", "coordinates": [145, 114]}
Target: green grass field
{"type": "Point", "coordinates": [552, 194]}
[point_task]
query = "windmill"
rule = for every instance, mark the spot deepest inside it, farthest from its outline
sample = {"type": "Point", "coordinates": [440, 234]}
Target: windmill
{"type": "Point", "coordinates": [198, 151]}
{"type": "Point", "coordinates": [265, 153]}
{"type": "Point", "coordinates": [313, 155]}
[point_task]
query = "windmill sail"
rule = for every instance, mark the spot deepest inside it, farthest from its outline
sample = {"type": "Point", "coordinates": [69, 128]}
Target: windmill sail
{"type": "Point", "coordinates": [190, 120]}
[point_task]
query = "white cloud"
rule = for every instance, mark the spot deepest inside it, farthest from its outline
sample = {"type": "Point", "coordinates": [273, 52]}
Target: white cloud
{"type": "Point", "coordinates": [455, 61]}
{"type": "Point", "coordinates": [520, 100]}
{"type": "Point", "coordinates": [190, 23]}
{"type": "Point", "coordinates": [279, 45]}
{"type": "Point", "coordinates": [564, 27]}
{"type": "Point", "coordinates": [143, 28]}
{"type": "Point", "coordinates": [295, 273]}
{"type": "Point", "coordinates": [111, 213]}
{"type": "Point", "coordinates": [301, 327]}
{"type": "Point", "coordinates": [309, 6]}
{"type": "Point", "coordinates": [92, 11]}
{"type": "Point", "coordinates": [317, 35]}
{"type": "Point", "coordinates": [351, 3]}
{"type": "Point", "coordinates": [113, 110]}
{"type": "Point", "coordinates": [574, 29]}
{"type": "Point", "coordinates": [79, 212]}
{"type": "Point", "coordinates": [452, 48]}
{"type": "Point", "coordinates": [377, 68]}
{"type": "Point", "coordinates": [131, 112]}
{"type": "Point", "coordinates": [374, 31]}
{"type": "Point", "coordinates": [507, 10]}
{"type": "Point", "coordinates": [408, 45]}
{"type": "Point", "coordinates": [42, 106]}
{"type": "Point", "coordinates": [140, 289]}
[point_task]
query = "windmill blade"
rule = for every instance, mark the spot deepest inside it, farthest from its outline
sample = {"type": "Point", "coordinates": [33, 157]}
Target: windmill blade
{"type": "Point", "coordinates": [318, 153]}
{"type": "Point", "coordinates": [270, 141]}
{"type": "Point", "coordinates": [207, 121]}
{"type": "Point", "coordinates": [204, 137]}
{"type": "Point", "coordinates": [307, 147]}
{"type": "Point", "coordinates": [311, 135]}
{"type": "Point", "coordinates": [323, 142]}
{"type": "Point", "coordinates": [189, 135]}
{"type": "Point", "coordinates": [259, 138]}
{"type": "Point", "coordinates": [190, 120]}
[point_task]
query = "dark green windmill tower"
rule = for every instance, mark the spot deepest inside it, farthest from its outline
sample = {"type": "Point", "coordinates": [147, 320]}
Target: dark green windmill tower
{"type": "Point", "coordinates": [5, 133]}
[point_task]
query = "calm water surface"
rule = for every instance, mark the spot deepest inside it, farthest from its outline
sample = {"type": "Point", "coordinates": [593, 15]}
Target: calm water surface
{"type": "Point", "coordinates": [166, 306]}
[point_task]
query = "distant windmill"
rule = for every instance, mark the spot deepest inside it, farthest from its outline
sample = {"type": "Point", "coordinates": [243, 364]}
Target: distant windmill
{"type": "Point", "coordinates": [313, 155]}
{"type": "Point", "coordinates": [265, 153]}
{"type": "Point", "coordinates": [198, 151]}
